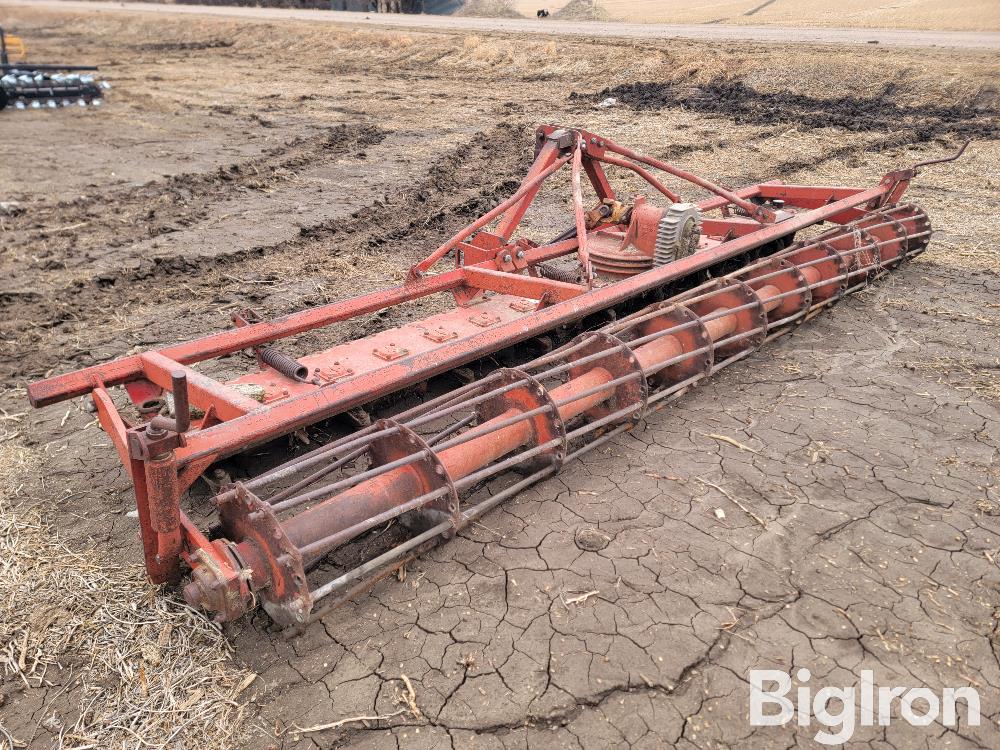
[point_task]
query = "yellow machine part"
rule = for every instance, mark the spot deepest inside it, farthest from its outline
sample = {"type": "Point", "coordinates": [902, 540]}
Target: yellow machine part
{"type": "Point", "coordinates": [16, 50]}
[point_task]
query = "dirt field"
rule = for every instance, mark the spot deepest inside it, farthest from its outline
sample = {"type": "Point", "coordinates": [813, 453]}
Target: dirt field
{"type": "Point", "coordinates": [278, 165]}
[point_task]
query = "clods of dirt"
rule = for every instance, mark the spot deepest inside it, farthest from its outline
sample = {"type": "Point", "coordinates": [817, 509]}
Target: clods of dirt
{"type": "Point", "coordinates": [743, 104]}
{"type": "Point", "coordinates": [184, 46]}
{"type": "Point", "coordinates": [591, 540]}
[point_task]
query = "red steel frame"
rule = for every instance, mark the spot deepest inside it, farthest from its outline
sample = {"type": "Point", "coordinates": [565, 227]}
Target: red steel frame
{"type": "Point", "coordinates": [164, 457]}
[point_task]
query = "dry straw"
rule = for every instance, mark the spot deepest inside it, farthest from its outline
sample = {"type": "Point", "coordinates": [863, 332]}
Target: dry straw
{"type": "Point", "coordinates": [119, 665]}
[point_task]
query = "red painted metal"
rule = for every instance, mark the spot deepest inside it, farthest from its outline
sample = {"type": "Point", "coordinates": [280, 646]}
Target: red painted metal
{"type": "Point", "coordinates": [423, 461]}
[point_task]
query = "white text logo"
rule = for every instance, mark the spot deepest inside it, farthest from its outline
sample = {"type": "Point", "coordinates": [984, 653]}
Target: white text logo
{"type": "Point", "coordinates": [921, 706]}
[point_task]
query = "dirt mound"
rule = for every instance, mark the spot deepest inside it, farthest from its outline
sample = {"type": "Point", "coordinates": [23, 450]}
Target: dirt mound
{"type": "Point", "coordinates": [488, 8]}
{"type": "Point", "coordinates": [744, 104]}
{"type": "Point", "coordinates": [582, 10]}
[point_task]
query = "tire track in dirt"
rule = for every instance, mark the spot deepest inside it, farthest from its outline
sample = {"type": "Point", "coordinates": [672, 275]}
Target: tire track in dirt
{"type": "Point", "coordinates": [405, 215]}
{"type": "Point", "coordinates": [66, 324]}
{"type": "Point", "coordinates": [70, 233]}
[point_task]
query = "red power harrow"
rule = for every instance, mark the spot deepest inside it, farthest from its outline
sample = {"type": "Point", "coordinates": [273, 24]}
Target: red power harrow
{"type": "Point", "coordinates": [594, 301]}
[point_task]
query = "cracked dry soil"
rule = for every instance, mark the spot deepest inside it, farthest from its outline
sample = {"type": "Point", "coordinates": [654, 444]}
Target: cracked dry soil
{"type": "Point", "coordinates": [613, 605]}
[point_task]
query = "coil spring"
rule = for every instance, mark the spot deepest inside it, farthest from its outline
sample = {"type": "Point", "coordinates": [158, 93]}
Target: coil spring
{"type": "Point", "coordinates": [286, 365]}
